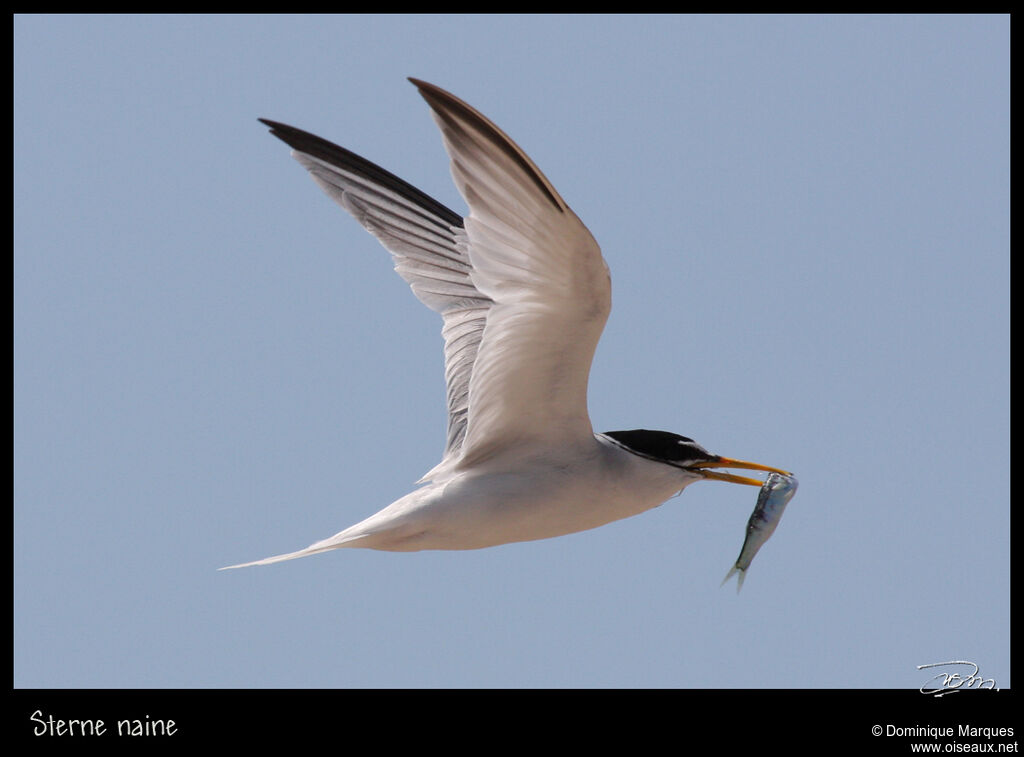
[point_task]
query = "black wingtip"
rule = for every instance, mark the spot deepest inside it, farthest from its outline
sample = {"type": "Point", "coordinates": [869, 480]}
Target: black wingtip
{"type": "Point", "coordinates": [318, 147]}
{"type": "Point", "coordinates": [284, 132]}
{"type": "Point", "coordinates": [301, 140]}
{"type": "Point", "coordinates": [445, 105]}
{"type": "Point", "coordinates": [434, 95]}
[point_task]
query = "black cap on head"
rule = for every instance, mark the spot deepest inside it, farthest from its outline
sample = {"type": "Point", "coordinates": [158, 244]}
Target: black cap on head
{"type": "Point", "coordinates": [662, 445]}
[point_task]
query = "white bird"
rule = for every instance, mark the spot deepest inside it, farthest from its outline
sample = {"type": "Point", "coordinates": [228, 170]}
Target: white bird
{"type": "Point", "coordinates": [524, 293]}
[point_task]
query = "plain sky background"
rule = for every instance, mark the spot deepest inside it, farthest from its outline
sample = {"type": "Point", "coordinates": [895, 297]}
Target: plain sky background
{"type": "Point", "coordinates": [807, 223]}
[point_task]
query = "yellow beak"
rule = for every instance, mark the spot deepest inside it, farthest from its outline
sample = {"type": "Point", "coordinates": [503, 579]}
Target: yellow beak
{"type": "Point", "coordinates": [728, 462]}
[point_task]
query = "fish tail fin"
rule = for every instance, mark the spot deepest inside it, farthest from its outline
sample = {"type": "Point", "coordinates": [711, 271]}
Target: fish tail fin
{"type": "Point", "coordinates": [740, 575]}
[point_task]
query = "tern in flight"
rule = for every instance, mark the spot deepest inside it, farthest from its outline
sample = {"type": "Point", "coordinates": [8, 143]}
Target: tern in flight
{"type": "Point", "coordinates": [523, 293]}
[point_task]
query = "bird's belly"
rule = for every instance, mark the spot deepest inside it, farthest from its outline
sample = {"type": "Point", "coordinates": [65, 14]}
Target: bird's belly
{"type": "Point", "coordinates": [488, 510]}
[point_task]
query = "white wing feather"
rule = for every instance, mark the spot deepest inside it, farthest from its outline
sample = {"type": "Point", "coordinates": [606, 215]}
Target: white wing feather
{"type": "Point", "coordinates": [538, 263]}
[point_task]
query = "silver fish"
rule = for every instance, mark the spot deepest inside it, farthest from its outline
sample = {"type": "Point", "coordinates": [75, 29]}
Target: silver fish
{"type": "Point", "coordinates": [771, 501]}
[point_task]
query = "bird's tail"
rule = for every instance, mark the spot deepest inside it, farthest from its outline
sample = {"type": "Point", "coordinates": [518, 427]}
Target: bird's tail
{"type": "Point", "coordinates": [338, 540]}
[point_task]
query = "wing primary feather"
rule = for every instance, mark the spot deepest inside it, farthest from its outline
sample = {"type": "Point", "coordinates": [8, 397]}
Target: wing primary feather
{"type": "Point", "coordinates": [447, 107]}
{"type": "Point", "coordinates": [318, 147]}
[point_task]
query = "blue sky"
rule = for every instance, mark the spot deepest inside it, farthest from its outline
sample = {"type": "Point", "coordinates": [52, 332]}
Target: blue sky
{"type": "Point", "coordinates": [807, 223]}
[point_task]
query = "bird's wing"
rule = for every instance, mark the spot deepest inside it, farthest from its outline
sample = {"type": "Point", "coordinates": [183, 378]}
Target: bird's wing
{"type": "Point", "coordinates": [538, 264]}
{"type": "Point", "coordinates": [426, 240]}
